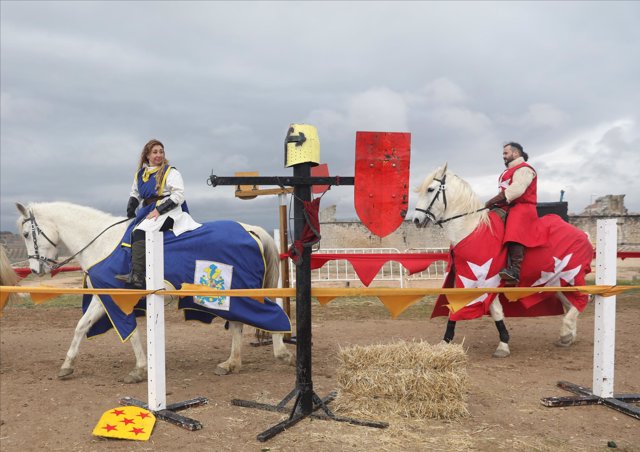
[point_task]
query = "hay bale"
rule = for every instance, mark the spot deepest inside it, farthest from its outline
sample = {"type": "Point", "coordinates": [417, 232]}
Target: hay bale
{"type": "Point", "coordinates": [409, 379]}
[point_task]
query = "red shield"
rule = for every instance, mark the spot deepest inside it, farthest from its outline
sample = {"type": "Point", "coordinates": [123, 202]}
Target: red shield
{"type": "Point", "coordinates": [321, 170]}
{"type": "Point", "coordinates": [381, 193]}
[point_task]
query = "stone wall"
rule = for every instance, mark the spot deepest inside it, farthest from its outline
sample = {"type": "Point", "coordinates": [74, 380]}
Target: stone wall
{"type": "Point", "coordinates": [628, 228]}
{"type": "Point", "coordinates": [353, 234]}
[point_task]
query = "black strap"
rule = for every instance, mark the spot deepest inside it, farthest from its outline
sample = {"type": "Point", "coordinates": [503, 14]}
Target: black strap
{"type": "Point", "coordinates": [153, 199]}
{"type": "Point", "coordinates": [66, 261]}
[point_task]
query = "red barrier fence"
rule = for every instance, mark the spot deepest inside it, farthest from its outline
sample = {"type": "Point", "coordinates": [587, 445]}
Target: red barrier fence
{"type": "Point", "coordinates": [23, 272]}
{"type": "Point", "coordinates": [318, 260]}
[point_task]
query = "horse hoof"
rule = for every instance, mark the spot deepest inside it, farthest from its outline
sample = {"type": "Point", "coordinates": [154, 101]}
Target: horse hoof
{"type": "Point", "coordinates": [135, 376]}
{"type": "Point", "coordinates": [221, 371]}
{"type": "Point", "coordinates": [132, 380]}
{"type": "Point", "coordinates": [65, 374]}
{"type": "Point", "coordinates": [287, 359]}
{"type": "Point", "coordinates": [500, 354]}
{"type": "Point", "coordinates": [564, 343]}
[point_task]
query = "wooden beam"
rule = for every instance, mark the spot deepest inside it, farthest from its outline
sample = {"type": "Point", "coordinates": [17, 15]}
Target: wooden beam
{"type": "Point", "coordinates": [253, 192]}
{"type": "Point", "coordinates": [250, 190]}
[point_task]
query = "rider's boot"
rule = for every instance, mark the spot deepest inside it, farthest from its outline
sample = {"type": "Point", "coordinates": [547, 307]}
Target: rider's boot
{"type": "Point", "coordinates": [136, 279]}
{"type": "Point", "coordinates": [511, 274]}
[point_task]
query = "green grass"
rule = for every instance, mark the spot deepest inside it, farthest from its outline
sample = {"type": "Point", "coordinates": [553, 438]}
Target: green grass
{"type": "Point", "coordinates": [61, 301]}
{"type": "Point", "coordinates": [367, 308]}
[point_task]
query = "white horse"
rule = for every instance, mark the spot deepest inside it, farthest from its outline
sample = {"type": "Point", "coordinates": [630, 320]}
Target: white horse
{"type": "Point", "coordinates": [46, 225]}
{"type": "Point", "coordinates": [448, 201]}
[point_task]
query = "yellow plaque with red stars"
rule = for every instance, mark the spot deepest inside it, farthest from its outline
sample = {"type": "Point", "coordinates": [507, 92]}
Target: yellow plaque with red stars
{"type": "Point", "coordinates": [126, 422]}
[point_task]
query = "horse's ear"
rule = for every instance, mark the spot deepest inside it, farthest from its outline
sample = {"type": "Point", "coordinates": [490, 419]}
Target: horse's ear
{"type": "Point", "coordinates": [22, 209]}
{"type": "Point", "coordinates": [444, 168]}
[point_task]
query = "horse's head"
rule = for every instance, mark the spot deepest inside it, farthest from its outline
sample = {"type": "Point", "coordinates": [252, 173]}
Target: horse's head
{"type": "Point", "coordinates": [41, 238]}
{"type": "Point", "coordinates": [432, 199]}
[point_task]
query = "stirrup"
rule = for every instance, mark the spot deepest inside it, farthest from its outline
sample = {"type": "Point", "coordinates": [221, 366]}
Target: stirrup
{"type": "Point", "coordinates": [138, 285]}
{"type": "Point", "coordinates": [508, 275]}
{"type": "Point", "coordinates": [124, 278]}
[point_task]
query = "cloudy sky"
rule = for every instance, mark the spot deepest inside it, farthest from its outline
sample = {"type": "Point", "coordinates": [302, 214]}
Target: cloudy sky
{"type": "Point", "coordinates": [85, 84]}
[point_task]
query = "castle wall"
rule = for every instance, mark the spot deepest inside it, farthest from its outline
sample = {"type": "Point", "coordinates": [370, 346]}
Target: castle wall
{"type": "Point", "coordinates": [353, 234]}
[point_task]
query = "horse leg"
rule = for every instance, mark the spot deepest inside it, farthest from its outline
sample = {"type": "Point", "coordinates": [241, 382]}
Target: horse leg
{"type": "Point", "coordinates": [450, 332]}
{"type": "Point", "coordinates": [235, 358]}
{"type": "Point", "coordinates": [497, 314]}
{"type": "Point", "coordinates": [139, 373]}
{"type": "Point", "coordinates": [569, 328]}
{"type": "Point", "coordinates": [280, 350]}
{"type": "Point", "coordinates": [93, 313]}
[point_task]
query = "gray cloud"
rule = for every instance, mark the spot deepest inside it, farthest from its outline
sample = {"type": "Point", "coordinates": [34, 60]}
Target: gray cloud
{"type": "Point", "coordinates": [85, 84]}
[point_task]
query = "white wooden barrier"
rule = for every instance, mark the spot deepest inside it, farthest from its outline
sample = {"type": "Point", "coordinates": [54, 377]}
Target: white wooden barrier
{"type": "Point", "coordinates": [340, 270]}
{"type": "Point", "coordinates": [436, 270]}
{"type": "Point", "coordinates": [155, 322]}
{"type": "Point", "coordinates": [156, 376]}
{"type": "Point", "coordinates": [604, 345]}
{"type": "Point", "coordinates": [604, 336]}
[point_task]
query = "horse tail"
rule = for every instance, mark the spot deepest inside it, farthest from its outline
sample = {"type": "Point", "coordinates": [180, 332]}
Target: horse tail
{"type": "Point", "coordinates": [271, 258]}
{"type": "Point", "coordinates": [8, 276]}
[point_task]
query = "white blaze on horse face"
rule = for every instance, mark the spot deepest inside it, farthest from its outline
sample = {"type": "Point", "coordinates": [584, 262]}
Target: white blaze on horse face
{"type": "Point", "coordinates": [34, 265]}
{"type": "Point", "coordinates": [38, 247]}
{"type": "Point", "coordinates": [425, 203]}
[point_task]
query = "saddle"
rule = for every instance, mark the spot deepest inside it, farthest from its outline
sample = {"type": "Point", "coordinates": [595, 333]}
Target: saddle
{"type": "Point", "coordinates": [501, 213]}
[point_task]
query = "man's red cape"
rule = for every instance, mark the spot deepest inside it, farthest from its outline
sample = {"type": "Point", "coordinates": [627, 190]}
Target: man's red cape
{"type": "Point", "coordinates": [475, 262]}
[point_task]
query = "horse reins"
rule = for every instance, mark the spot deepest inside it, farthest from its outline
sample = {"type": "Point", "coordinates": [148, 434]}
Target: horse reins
{"type": "Point", "coordinates": [51, 262]}
{"type": "Point", "coordinates": [441, 189]}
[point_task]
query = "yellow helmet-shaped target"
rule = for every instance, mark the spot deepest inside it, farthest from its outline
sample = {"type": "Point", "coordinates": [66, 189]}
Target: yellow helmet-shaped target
{"type": "Point", "coordinates": [301, 145]}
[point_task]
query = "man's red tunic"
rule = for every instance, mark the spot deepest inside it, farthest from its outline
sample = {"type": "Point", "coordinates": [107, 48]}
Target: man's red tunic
{"type": "Point", "coordinates": [522, 219]}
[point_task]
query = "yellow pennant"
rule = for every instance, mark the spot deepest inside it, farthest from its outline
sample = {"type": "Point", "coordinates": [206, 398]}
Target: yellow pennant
{"type": "Point", "coordinates": [39, 298]}
{"type": "Point", "coordinates": [126, 302]}
{"type": "Point", "coordinates": [4, 296]}
{"type": "Point", "coordinates": [396, 304]}
{"type": "Point", "coordinates": [324, 300]}
{"type": "Point", "coordinates": [126, 422]}
{"type": "Point", "coordinates": [460, 299]}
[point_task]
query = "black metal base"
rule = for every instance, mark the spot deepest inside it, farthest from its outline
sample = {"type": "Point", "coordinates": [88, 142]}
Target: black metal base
{"type": "Point", "coordinates": [297, 415]}
{"type": "Point", "coordinates": [168, 414]}
{"type": "Point", "coordinates": [266, 340]}
{"type": "Point", "coordinates": [619, 402]}
{"type": "Point", "coordinates": [262, 338]}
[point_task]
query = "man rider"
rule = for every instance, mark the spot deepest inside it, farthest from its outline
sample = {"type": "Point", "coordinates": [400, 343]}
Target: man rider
{"type": "Point", "coordinates": [518, 197]}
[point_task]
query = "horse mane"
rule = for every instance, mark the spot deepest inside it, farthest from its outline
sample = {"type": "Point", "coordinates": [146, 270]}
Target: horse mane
{"type": "Point", "coordinates": [466, 199]}
{"type": "Point", "coordinates": [80, 213]}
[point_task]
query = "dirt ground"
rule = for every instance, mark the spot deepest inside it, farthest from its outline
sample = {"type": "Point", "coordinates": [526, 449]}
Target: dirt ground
{"type": "Point", "coordinates": [38, 412]}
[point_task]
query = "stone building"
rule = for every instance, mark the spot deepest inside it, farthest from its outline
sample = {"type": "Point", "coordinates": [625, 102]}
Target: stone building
{"type": "Point", "coordinates": [352, 234]}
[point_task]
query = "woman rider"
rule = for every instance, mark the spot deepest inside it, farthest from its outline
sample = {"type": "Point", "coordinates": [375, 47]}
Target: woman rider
{"type": "Point", "coordinates": [161, 190]}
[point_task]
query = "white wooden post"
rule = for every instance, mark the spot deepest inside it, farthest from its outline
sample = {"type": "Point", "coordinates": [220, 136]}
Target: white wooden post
{"type": "Point", "coordinates": [605, 310]}
{"type": "Point", "coordinates": [156, 379]}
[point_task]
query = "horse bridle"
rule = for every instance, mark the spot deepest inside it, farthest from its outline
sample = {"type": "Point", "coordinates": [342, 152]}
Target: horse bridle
{"type": "Point", "coordinates": [35, 230]}
{"type": "Point", "coordinates": [51, 262]}
{"type": "Point", "coordinates": [442, 189]}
